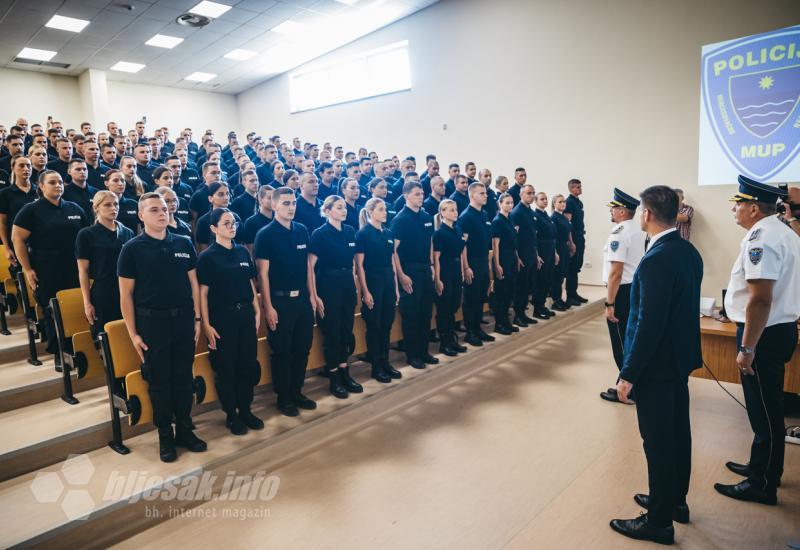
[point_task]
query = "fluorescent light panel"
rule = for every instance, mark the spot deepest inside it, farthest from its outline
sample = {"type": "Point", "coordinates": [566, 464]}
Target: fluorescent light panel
{"type": "Point", "coordinates": [200, 77]}
{"type": "Point", "coordinates": [126, 67]}
{"type": "Point", "coordinates": [288, 27]}
{"type": "Point", "coordinates": [240, 55]}
{"type": "Point", "coordinates": [348, 2]}
{"type": "Point", "coordinates": [164, 41]}
{"type": "Point", "coordinates": [209, 9]}
{"type": "Point", "coordinates": [66, 23]}
{"type": "Point", "coordinates": [38, 55]}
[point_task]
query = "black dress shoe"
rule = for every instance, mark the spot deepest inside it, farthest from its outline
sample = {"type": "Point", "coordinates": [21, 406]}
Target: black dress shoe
{"type": "Point", "coordinates": [513, 328]}
{"type": "Point", "coordinates": [458, 347]}
{"type": "Point", "coordinates": [502, 329]}
{"type": "Point", "coordinates": [540, 314]}
{"type": "Point", "coordinates": [251, 421]}
{"type": "Point", "coordinates": [473, 339]}
{"type": "Point", "coordinates": [747, 491]}
{"type": "Point", "coordinates": [738, 469]}
{"type": "Point", "coordinates": [187, 440]}
{"type": "Point", "coordinates": [640, 529]}
{"type": "Point", "coordinates": [392, 372]}
{"type": "Point", "coordinates": [335, 386]}
{"type": "Point", "coordinates": [447, 350]}
{"type": "Point", "coordinates": [485, 337]}
{"type": "Point", "coordinates": [560, 306]}
{"type": "Point", "coordinates": [303, 402]}
{"type": "Point", "coordinates": [680, 513]}
{"type": "Point", "coordinates": [381, 375]}
{"type": "Point", "coordinates": [574, 302]}
{"type": "Point", "coordinates": [529, 320]}
{"type": "Point", "coordinates": [580, 298]}
{"type": "Point", "coordinates": [520, 322]}
{"type": "Point", "coordinates": [166, 446]}
{"type": "Point", "coordinates": [349, 382]}
{"type": "Point", "coordinates": [287, 408]}
{"type": "Point", "coordinates": [429, 359]}
{"type": "Point", "coordinates": [417, 363]}
{"type": "Point", "coordinates": [550, 312]}
{"type": "Point", "coordinates": [610, 396]}
{"type": "Point", "coordinates": [235, 425]}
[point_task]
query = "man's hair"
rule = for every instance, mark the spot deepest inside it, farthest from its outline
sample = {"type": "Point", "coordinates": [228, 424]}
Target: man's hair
{"type": "Point", "coordinates": [209, 164]}
{"type": "Point", "coordinates": [75, 161]}
{"type": "Point", "coordinates": [662, 202]}
{"type": "Point", "coordinates": [324, 166]}
{"type": "Point", "coordinates": [576, 181]}
{"type": "Point", "coordinates": [453, 165]}
{"type": "Point", "coordinates": [474, 187]}
{"type": "Point", "coordinates": [409, 186]}
{"type": "Point", "coordinates": [518, 170]}
{"type": "Point", "coordinates": [276, 195]}
{"type": "Point", "coordinates": [767, 208]}
{"type": "Point", "coordinates": [147, 196]}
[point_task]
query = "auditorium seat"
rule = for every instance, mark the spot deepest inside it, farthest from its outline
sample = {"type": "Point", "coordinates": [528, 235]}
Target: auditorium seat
{"type": "Point", "coordinates": [32, 313]}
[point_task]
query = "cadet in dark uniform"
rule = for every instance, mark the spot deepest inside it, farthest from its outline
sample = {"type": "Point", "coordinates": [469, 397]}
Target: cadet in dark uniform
{"type": "Point", "coordinates": [333, 246]}
{"type": "Point", "coordinates": [564, 247]}
{"type": "Point", "coordinates": [260, 219]}
{"type": "Point", "coordinates": [246, 204]}
{"type": "Point", "coordinates": [307, 204]}
{"type": "Point", "coordinates": [506, 264]}
{"type": "Point", "coordinates": [97, 249]}
{"type": "Point", "coordinates": [574, 213]}
{"type": "Point", "coordinates": [461, 195]}
{"type": "Point", "coordinates": [219, 197]}
{"type": "Point", "coordinates": [281, 252]}
{"type": "Point", "coordinates": [128, 208]}
{"type": "Point", "coordinates": [12, 198]}
{"type": "Point", "coordinates": [164, 177]}
{"type": "Point", "coordinates": [160, 302]}
{"type": "Point", "coordinates": [478, 232]}
{"type": "Point", "coordinates": [546, 248]}
{"type": "Point", "coordinates": [44, 241]}
{"type": "Point", "coordinates": [523, 217]}
{"type": "Point", "coordinates": [412, 229]}
{"type": "Point", "coordinates": [378, 189]}
{"type": "Point", "coordinates": [231, 315]}
{"type": "Point", "coordinates": [448, 281]}
{"type": "Point", "coordinates": [491, 207]}
{"type": "Point", "coordinates": [175, 225]}
{"type": "Point", "coordinates": [378, 283]}
{"type": "Point", "coordinates": [350, 191]}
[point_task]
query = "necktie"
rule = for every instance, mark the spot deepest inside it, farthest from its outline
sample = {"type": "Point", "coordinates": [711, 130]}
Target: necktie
{"type": "Point", "coordinates": [646, 242]}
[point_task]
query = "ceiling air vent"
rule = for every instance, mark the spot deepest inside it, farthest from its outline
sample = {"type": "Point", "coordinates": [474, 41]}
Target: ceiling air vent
{"type": "Point", "coordinates": [50, 64]}
{"type": "Point", "coordinates": [192, 20]}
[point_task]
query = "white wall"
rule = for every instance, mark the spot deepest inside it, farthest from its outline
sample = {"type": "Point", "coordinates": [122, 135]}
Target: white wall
{"type": "Point", "coordinates": [604, 91]}
{"type": "Point", "coordinates": [36, 95]}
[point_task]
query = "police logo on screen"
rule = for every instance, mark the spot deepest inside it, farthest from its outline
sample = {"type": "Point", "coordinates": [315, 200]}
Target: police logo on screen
{"type": "Point", "coordinates": [755, 255]}
{"type": "Point", "coordinates": [751, 90]}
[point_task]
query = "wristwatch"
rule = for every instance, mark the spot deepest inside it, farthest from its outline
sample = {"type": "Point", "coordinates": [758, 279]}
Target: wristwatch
{"type": "Point", "coordinates": [607, 304]}
{"type": "Point", "coordinates": [746, 350]}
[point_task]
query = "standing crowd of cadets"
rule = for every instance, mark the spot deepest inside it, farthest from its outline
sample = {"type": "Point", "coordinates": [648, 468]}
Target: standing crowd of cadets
{"type": "Point", "coordinates": [286, 235]}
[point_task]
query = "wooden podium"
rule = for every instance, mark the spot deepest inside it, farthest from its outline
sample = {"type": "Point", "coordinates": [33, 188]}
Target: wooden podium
{"type": "Point", "coordinates": [718, 341]}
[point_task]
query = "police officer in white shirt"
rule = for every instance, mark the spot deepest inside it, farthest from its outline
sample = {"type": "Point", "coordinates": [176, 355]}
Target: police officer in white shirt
{"type": "Point", "coordinates": [621, 256]}
{"type": "Point", "coordinates": [763, 299]}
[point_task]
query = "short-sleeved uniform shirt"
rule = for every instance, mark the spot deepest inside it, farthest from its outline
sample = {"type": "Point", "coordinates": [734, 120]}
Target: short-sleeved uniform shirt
{"type": "Point", "coordinates": [461, 200]}
{"type": "Point", "coordinates": [159, 267]}
{"type": "Point", "coordinates": [414, 230]}
{"type": "Point", "coordinates": [476, 226]}
{"type": "Point", "coordinates": [545, 232]}
{"type": "Point", "coordinates": [227, 273]}
{"type": "Point", "coordinates": [12, 199]}
{"type": "Point", "coordinates": [504, 230]}
{"type": "Point", "coordinates": [352, 215]}
{"type": "Point", "coordinates": [53, 227]}
{"type": "Point", "coordinates": [770, 250]}
{"type": "Point", "coordinates": [334, 248]}
{"type": "Point", "coordinates": [181, 228]}
{"type": "Point", "coordinates": [377, 246]}
{"type": "Point", "coordinates": [575, 208]}
{"type": "Point", "coordinates": [129, 214]}
{"type": "Point", "coordinates": [624, 244]}
{"type": "Point", "coordinates": [524, 219]}
{"type": "Point", "coordinates": [252, 226]}
{"type": "Point", "coordinates": [244, 205]}
{"type": "Point", "coordinates": [203, 228]}
{"type": "Point", "coordinates": [563, 231]}
{"type": "Point", "coordinates": [308, 214]}
{"type": "Point", "coordinates": [449, 242]}
{"type": "Point", "coordinates": [101, 247]}
{"type": "Point", "coordinates": [82, 196]}
{"type": "Point", "coordinates": [287, 252]}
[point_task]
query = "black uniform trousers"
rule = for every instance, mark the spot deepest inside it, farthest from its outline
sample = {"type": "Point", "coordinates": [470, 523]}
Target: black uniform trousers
{"type": "Point", "coordinates": [290, 343]}
{"type": "Point", "coordinates": [574, 267]}
{"type": "Point", "coordinates": [504, 294]}
{"type": "Point", "coordinates": [544, 278]}
{"type": "Point", "coordinates": [622, 309]}
{"type": "Point", "coordinates": [380, 318]}
{"type": "Point", "coordinates": [236, 369]}
{"type": "Point", "coordinates": [54, 272]}
{"type": "Point", "coordinates": [526, 283]}
{"type": "Point", "coordinates": [559, 274]}
{"type": "Point", "coordinates": [416, 310]}
{"type": "Point", "coordinates": [447, 303]}
{"type": "Point", "coordinates": [105, 299]}
{"type": "Point", "coordinates": [167, 367]}
{"type": "Point", "coordinates": [763, 395]}
{"type": "Point", "coordinates": [662, 408]}
{"type": "Point", "coordinates": [475, 296]}
{"type": "Point", "coordinates": [337, 290]}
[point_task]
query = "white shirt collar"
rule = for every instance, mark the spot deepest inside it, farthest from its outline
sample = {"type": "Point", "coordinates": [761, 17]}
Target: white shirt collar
{"type": "Point", "coordinates": [657, 236]}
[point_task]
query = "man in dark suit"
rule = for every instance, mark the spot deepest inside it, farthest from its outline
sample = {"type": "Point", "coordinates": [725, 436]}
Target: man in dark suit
{"type": "Point", "coordinates": [662, 346]}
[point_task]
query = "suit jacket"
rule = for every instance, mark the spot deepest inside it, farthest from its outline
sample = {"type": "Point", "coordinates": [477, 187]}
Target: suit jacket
{"type": "Point", "coordinates": [662, 341]}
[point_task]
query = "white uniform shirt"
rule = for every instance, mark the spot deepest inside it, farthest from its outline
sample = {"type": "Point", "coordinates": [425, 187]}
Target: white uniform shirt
{"type": "Point", "coordinates": [770, 250]}
{"type": "Point", "coordinates": [624, 244]}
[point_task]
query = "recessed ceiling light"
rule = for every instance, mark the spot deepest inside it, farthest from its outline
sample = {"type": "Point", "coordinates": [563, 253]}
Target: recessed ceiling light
{"type": "Point", "coordinates": [38, 55]}
{"type": "Point", "coordinates": [240, 55]}
{"type": "Point", "coordinates": [200, 77]}
{"type": "Point", "coordinates": [126, 67]}
{"type": "Point", "coordinates": [288, 27]}
{"type": "Point", "coordinates": [348, 2]}
{"type": "Point", "coordinates": [164, 41]}
{"type": "Point", "coordinates": [209, 9]}
{"type": "Point", "coordinates": [66, 23]}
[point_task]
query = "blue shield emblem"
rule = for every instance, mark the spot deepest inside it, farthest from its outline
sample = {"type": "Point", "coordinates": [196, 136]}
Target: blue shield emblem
{"type": "Point", "coordinates": [755, 255]}
{"type": "Point", "coordinates": [614, 246]}
{"type": "Point", "coordinates": [751, 90]}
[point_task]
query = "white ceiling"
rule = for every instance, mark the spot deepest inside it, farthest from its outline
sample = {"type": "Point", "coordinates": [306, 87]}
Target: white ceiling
{"type": "Point", "coordinates": [116, 33]}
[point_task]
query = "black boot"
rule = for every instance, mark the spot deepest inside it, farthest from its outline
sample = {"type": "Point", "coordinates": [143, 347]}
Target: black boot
{"type": "Point", "coordinates": [335, 386]}
{"type": "Point", "coordinates": [184, 437]}
{"type": "Point", "coordinates": [455, 345]}
{"type": "Point", "coordinates": [166, 445]}
{"type": "Point", "coordinates": [235, 424]}
{"type": "Point", "coordinates": [250, 420]}
{"type": "Point", "coordinates": [380, 374]}
{"type": "Point", "coordinates": [348, 382]}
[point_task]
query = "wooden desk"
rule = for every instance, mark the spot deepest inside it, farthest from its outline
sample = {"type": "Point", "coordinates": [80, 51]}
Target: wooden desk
{"type": "Point", "coordinates": [718, 341]}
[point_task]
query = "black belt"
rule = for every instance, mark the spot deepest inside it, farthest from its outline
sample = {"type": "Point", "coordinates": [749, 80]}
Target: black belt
{"type": "Point", "coordinates": [287, 293]}
{"type": "Point", "coordinates": [148, 313]}
{"type": "Point", "coordinates": [236, 305]}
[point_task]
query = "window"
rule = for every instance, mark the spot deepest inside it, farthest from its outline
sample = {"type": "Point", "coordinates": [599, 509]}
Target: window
{"type": "Point", "coordinates": [378, 72]}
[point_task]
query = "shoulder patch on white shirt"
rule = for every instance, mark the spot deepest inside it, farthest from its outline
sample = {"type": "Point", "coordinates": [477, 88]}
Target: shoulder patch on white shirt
{"type": "Point", "coordinates": [618, 230]}
{"type": "Point", "coordinates": [754, 235]}
{"type": "Point", "coordinates": [755, 255]}
{"type": "Point", "coordinates": [614, 246]}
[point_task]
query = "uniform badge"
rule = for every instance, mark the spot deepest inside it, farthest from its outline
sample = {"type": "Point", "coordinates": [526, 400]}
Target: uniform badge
{"type": "Point", "coordinates": [618, 230]}
{"type": "Point", "coordinates": [614, 246]}
{"type": "Point", "coordinates": [754, 235]}
{"type": "Point", "coordinates": [756, 255]}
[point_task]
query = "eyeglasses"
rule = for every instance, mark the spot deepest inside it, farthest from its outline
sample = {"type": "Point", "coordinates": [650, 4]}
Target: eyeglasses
{"type": "Point", "coordinates": [230, 225]}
